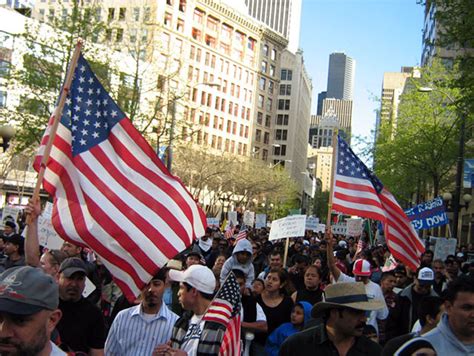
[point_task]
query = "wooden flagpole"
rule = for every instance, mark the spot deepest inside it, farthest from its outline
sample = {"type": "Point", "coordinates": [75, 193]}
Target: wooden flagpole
{"type": "Point", "coordinates": [58, 112]}
{"type": "Point", "coordinates": [333, 170]}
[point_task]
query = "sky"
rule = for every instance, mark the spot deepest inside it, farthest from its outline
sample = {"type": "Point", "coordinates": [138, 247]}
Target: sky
{"type": "Point", "coordinates": [381, 35]}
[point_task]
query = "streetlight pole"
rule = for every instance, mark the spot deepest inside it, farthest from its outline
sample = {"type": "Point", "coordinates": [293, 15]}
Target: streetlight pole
{"type": "Point", "coordinates": [459, 171]}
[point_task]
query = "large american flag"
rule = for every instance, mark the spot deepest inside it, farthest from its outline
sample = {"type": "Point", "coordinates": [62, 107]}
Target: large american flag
{"type": "Point", "coordinates": [111, 192]}
{"type": "Point", "coordinates": [225, 309]}
{"type": "Point", "coordinates": [357, 191]}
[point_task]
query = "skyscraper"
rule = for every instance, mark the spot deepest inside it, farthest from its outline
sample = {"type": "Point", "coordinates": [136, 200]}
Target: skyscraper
{"type": "Point", "coordinates": [340, 76]}
{"type": "Point", "coordinates": [282, 16]}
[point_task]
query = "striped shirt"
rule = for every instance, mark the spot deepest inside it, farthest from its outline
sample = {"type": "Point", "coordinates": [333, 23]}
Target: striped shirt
{"type": "Point", "coordinates": [135, 333]}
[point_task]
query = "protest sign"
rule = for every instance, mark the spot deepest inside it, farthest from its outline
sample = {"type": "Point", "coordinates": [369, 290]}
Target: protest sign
{"type": "Point", "coordinates": [443, 247]}
{"type": "Point", "coordinates": [260, 221]}
{"type": "Point", "coordinates": [427, 215]}
{"type": "Point", "coordinates": [211, 222]}
{"type": "Point", "coordinates": [249, 217]}
{"type": "Point", "coordinates": [312, 223]}
{"type": "Point", "coordinates": [10, 213]}
{"type": "Point", "coordinates": [354, 227]}
{"type": "Point", "coordinates": [291, 226]}
{"type": "Point", "coordinates": [320, 228]}
{"type": "Point", "coordinates": [339, 229]}
{"type": "Point", "coordinates": [232, 217]}
{"type": "Point", "coordinates": [46, 233]}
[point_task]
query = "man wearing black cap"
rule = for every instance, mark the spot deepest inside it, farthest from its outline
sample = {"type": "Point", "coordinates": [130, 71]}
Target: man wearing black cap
{"type": "Point", "coordinates": [28, 312]}
{"type": "Point", "coordinates": [82, 325]}
{"type": "Point", "coordinates": [14, 250]}
{"type": "Point", "coordinates": [9, 228]}
{"type": "Point", "coordinates": [343, 315]}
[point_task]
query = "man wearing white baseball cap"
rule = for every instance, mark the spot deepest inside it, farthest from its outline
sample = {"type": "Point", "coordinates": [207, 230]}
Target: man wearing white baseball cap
{"type": "Point", "coordinates": [362, 272]}
{"type": "Point", "coordinates": [191, 334]}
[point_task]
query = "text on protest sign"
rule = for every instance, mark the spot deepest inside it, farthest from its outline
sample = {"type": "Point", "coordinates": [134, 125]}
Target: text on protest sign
{"type": "Point", "coordinates": [354, 227]}
{"type": "Point", "coordinates": [212, 222]}
{"type": "Point", "coordinates": [427, 215]}
{"type": "Point", "coordinates": [291, 226]}
{"type": "Point", "coordinates": [312, 223]}
{"type": "Point", "coordinates": [249, 217]}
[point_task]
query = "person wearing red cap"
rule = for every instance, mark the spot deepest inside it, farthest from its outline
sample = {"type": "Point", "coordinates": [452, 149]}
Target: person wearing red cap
{"type": "Point", "coordinates": [362, 272]}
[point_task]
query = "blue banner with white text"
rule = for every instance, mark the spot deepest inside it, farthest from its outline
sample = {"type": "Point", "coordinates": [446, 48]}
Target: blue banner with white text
{"type": "Point", "coordinates": [429, 214]}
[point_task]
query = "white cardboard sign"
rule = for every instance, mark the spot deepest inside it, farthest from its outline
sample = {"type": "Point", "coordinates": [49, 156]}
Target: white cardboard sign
{"type": "Point", "coordinates": [312, 223]}
{"type": "Point", "coordinates": [444, 247]}
{"type": "Point", "coordinates": [260, 221]}
{"type": "Point", "coordinates": [291, 226]}
{"type": "Point", "coordinates": [46, 233]}
{"type": "Point", "coordinates": [232, 217]}
{"type": "Point", "coordinates": [249, 218]}
{"type": "Point", "coordinates": [354, 227]}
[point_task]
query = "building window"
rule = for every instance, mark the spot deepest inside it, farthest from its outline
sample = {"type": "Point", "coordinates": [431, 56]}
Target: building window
{"type": "Point", "coordinates": [281, 135]}
{"type": "Point", "coordinates": [119, 35]}
{"type": "Point", "coordinates": [136, 14]}
{"type": "Point", "coordinates": [226, 31]}
{"type": "Point", "coordinates": [282, 119]}
{"type": "Point", "coordinates": [167, 19]}
{"type": "Point", "coordinates": [286, 74]}
{"type": "Point", "coordinates": [264, 67]}
{"type": "Point", "coordinates": [262, 83]}
{"type": "Point", "coordinates": [266, 138]}
{"type": "Point", "coordinates": [258, 135]}
{"type": "Point", "coordinates": [146, 14]}
{"type": "Point", "coordinates": [182, 5]}
{"type": "Point", "coordinates": [261, 100]}
{"type": "Point", "coordinates": [265, 50]}
{"type": "Point", "coordinates": [268, 120]}
{"type": "Point", "coordinates": [122, 13]}
{"type": "Point", "coordinates": [198, 16]}
{"type": "Point", "coordinates": [270, 87]}
{"type": "Point", "coordinates": [180, 26]}
{"type": "Point", "coordinates": [3, 99]}
{"type": "Point", "coordinates": [273, 55]}
{"type": "Point", "coordinates": [272, 70]}
{"type": "Point", "coordinates": [111, 14]}
{"type": "Point", "coordinates": [4, 68]}
{"type": "Point", "coordinates": [212, 23]}
{"type": "Point", "coordinates": [283, 104]}
{"type": "Point", "coordinates": [269, 104]}
{"type": "Point", "coordinates": [196, 34]}
{"type": "Point", "coordinates": [259, 118]}
{"type": "Point", "coordinates": [285, 89]}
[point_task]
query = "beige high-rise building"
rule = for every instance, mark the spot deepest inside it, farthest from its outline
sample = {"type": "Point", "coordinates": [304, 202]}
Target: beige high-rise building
{"type": "Point", "coordinates": [393, 86]}
{"type": "Point", "coordinates": [323, 158]}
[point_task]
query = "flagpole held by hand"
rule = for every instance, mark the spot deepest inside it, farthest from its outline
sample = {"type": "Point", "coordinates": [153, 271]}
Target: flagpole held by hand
{"type": "Point", "coordinates": [57, 114]}
{"type": "Point", "coordinates": [333, 169]}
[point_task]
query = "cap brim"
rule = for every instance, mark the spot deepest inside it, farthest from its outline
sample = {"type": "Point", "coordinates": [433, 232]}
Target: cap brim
{"type": "Point", "coordinates": [362, 274]}
{"type": "Point", "coordinates": [425, 283]}
{"type": "Point", "coordinates": [14, 307]}
{"type": "Point", "coordinates": [177, 276]}
{"type": "Point", "coordinates": [371, 304]}
{"type": "Point", "coordinates": [68, 272]}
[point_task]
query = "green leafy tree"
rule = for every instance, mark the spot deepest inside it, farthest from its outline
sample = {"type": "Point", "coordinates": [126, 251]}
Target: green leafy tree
{"type": "Point", "coordinates": [415, 158]}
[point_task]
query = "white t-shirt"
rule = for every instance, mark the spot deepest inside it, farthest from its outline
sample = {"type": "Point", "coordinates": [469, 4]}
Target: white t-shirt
{"type": "Point", "coordinates": [260, 314]}
{"type": "Point", "coordinates": [373, 291]}
{"type": "Point", "coordinates": [191, 339]}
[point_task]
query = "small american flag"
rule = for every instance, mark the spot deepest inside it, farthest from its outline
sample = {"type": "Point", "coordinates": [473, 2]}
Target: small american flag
{"type": "Point", "coordinates": [242, 234]}
{"type": "Point", "coordinates": [111, 192]}
{"type": "Point", "coordinates": [357, 191]}
{"type": "Point", "coordinates": [225, 309]}
{"type": "Point", "coordinates": [229, 230]}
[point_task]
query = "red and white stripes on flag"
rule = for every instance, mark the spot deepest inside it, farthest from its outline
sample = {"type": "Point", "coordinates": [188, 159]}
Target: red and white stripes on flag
{"type": "Point", "coordinates": [225, 309]}
{"type": "Point", "coordinates": [357, 191]}
{"type": "Point", "coordinates": [111, 192]}
{"type": "Point", "coordinates": [241, 235]}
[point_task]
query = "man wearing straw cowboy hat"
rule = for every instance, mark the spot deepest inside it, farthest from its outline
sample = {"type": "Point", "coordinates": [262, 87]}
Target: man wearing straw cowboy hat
{"type": "Point", "coordinates": [343, 314]}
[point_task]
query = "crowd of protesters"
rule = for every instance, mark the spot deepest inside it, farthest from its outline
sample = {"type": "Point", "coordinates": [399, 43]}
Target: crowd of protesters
{"type": "Point", "coordinates": [326, 295]}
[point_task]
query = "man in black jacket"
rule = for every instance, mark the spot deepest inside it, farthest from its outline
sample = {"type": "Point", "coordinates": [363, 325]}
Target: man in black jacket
{"type": "Point", "coordinates": [343, 316]}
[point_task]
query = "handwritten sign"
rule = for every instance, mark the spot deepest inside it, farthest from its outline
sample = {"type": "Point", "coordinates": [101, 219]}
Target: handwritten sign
{"type": "Point", "coordinates": [232, 217]}
{"type": "Point", "coordinates": [212, 222]}
{"type": "Point", "coordinates": [10, 213]}
{"type": "Point", "coordinates": [339, 229]}
{"type": "Point", "coordinates": [249, 218]}
{"type": "Point", "coordinates": [354, 227]}
{"type": "Point", "coordinates": [46, 233]}
{"type": "Point", "coordinates": [443, 247]}
{"type": "Point", "coordinates": [260, 221]}
{"type": "Point", "coordinates": [291, 226]}
{"type": "Point", "coordinates": [321, 228]}
{"type": "Point", "coordinates": [312, 223]}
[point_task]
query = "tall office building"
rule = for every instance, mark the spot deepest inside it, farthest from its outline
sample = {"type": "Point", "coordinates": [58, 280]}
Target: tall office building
{"type": "Point", "coordinates": [340, 76]}
{"type": "Point", "coordinates": [392, 87]}
{"type": "Point", "coordinates": [283, 16]}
